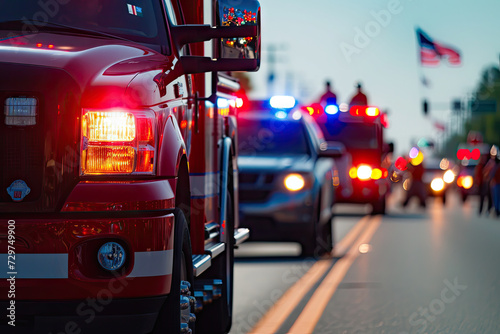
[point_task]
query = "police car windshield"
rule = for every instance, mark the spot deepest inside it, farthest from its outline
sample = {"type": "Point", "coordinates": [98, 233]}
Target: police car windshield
{"type": "Point", "coordinates": [271, 137]}
{"type": "Point", "coordinates": [352, 135]}
{"type": "Point", "coordinates": [137, 21]}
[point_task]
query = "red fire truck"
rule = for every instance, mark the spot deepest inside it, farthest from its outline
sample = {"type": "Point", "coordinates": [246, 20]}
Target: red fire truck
{"type": "Point", "coordinates": [118, 163]}
{"type": "Point", "coordinates": [363, 169]}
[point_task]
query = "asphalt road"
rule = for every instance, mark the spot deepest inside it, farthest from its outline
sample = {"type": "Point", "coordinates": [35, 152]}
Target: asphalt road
{"type": "Point", "coordinates": [411, 271]}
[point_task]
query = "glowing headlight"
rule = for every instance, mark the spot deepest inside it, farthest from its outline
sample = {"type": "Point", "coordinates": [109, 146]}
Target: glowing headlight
{"type": "Point", "coordinates": [437, 184]}
{"type": "Point", "coordinates": [467, 182]}
{"type": "Point", "coordinates": [111, 256]}
{"type": "Point", "coordinates": [294, 182]}
{"type": "Point", "coordinates": [364, 172]}
{"type": "Point", "coordinates": [448, 177]}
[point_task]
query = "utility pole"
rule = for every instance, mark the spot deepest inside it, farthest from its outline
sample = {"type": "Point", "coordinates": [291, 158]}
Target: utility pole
{"type": "Point", "coordinates": [272, 59]}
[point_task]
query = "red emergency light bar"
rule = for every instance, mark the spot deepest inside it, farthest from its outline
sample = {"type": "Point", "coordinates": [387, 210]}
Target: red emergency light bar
{"type": "Point", "coordinates": [364, 111]}
{"type": "Point", "coordinates": [464, 153]}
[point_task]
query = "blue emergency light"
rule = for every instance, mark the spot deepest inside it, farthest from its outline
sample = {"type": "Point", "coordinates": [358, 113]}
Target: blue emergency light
{"type": "Point", "coordinates": [331, 109]}
{"type": "Point", "coordinates": [281, 114]}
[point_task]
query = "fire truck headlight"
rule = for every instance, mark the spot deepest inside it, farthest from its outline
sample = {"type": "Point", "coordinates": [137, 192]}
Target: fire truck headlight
{"type": "Point", "coordinates": [111, 256]}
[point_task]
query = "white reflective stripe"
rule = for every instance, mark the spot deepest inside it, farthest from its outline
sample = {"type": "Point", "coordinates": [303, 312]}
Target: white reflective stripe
{"type": "Point", "coordinates": [207, 46]}
{"type": "Point", "coordinates": [204, 185]}
{"type": "Point", "coordinates": [35, 266]}
{"type": "Point", "coordinates": [157, 263]}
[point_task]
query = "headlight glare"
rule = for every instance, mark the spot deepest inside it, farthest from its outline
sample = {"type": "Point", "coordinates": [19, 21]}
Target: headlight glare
{"type": "Point", "coordinates": [437, 184]}
{"type": "Point", "coordinates": [294, 182]}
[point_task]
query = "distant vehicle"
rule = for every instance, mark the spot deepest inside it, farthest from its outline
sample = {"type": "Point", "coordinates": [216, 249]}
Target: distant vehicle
{"type": "Point", "coordinates": [469, 155]}
{"type": "Point", "coordinates": [286, 176]}
{"type": "Point", "coordinates": [363, 170]}
{"type": "Point", "coordinates": [438, 177]}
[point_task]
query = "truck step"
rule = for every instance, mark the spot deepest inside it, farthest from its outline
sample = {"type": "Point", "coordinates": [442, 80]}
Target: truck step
{"type": "Point", "coordinates": [201, 263]}
{"type": "Point", "coordinates": [240, 235]}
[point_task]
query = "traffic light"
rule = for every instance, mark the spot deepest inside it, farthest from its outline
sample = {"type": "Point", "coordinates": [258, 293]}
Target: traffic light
{"type": "Point", "coordinates": [425, 107]}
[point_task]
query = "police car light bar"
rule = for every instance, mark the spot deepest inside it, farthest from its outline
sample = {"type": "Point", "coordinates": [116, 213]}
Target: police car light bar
{"type": "Point", "coordinates": [282, 102]}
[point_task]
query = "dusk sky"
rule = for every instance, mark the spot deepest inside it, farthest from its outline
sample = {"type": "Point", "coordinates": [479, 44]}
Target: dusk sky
{"type": "Point", "coordinates": [321, 40]}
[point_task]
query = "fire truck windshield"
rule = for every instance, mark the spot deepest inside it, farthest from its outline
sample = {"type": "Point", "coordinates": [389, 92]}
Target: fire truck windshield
{"type": "Point", "coordinates": [352, 135]}
{"type": "Point", "coordinates": [139, 22]}
{"type": "Point", "coordinates": [271, 137]}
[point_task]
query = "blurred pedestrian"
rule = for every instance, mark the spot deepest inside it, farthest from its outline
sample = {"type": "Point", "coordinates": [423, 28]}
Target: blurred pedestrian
{"type": "Point", "coordinates": [417, 187]}
{"type": "Point", "coordinates": [488, 172]}
{"type": "Point", "coordinates": [359, 99]}
{"type": "Point", "coordinates": [495, 185]}
{"type": "Point", "coordinates": [483, 183]}
{"type": "Point", "coordinates": [329, 97]}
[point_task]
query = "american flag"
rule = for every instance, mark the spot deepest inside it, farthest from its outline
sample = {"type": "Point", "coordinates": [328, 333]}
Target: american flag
{"type": "Point", "coordinates": [431, 52]}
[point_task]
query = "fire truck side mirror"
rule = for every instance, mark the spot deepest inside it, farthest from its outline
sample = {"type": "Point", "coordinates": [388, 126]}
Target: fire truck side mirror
{"type": "Point", "coordinates": [238, 35]}
{"type": "Point", "coordinates": [237, 14]}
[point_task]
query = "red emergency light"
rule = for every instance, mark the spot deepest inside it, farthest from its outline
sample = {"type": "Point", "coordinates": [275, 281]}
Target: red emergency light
{"type": "Point", "coordinates": [314, 109]}
{"type": "Point", "coordinates": [384, 120]}
{"type": "Point", "coordinates": [401, 164]}
{"type": "Point", "coordinates": [464, 153]}
{"type": "Point", "coordinates": [364, 111]}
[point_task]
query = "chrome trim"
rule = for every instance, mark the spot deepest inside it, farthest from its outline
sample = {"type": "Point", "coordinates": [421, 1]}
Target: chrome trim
{"type": "Point", "coordinates": [201, 263]}
{"type": "Point", "coordinates": [216, 249]}
{"type": "Point", "coordinates": [240, 235]}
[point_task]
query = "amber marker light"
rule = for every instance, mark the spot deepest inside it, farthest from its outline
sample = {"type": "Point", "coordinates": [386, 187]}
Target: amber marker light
{"type": "Point", "coordinates": [376, 174]}
{"type": "Point", "coordinates": [117, 142]}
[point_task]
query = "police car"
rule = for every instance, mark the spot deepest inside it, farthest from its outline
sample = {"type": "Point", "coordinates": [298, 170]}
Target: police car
{"type": "Point", "coordinates": [286, 176]}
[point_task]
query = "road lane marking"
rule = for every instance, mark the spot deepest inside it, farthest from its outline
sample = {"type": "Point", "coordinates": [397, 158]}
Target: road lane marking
{"type": "Point", "coordinates": [307, 320]}
{"type": "Point", "coordinates": [279, 312]}
{"type": "Point", "coordinates": [343, 245]}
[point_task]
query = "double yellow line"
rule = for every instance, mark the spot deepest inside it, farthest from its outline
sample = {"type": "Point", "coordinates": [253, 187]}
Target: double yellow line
{"type": "Point", "coordinates": [305, 323]}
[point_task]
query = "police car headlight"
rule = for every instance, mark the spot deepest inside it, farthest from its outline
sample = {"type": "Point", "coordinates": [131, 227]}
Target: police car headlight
{"type": "Point", "coordinates": [294, 182]}
{"type": "Point", "coordinates": [111, 256]}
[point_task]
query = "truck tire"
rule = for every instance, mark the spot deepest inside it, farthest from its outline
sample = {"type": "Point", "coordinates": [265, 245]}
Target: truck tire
{"type": "Point", "coordinates": [320, 240]}
{"type": "Point", "coordinates": [169, 317]}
